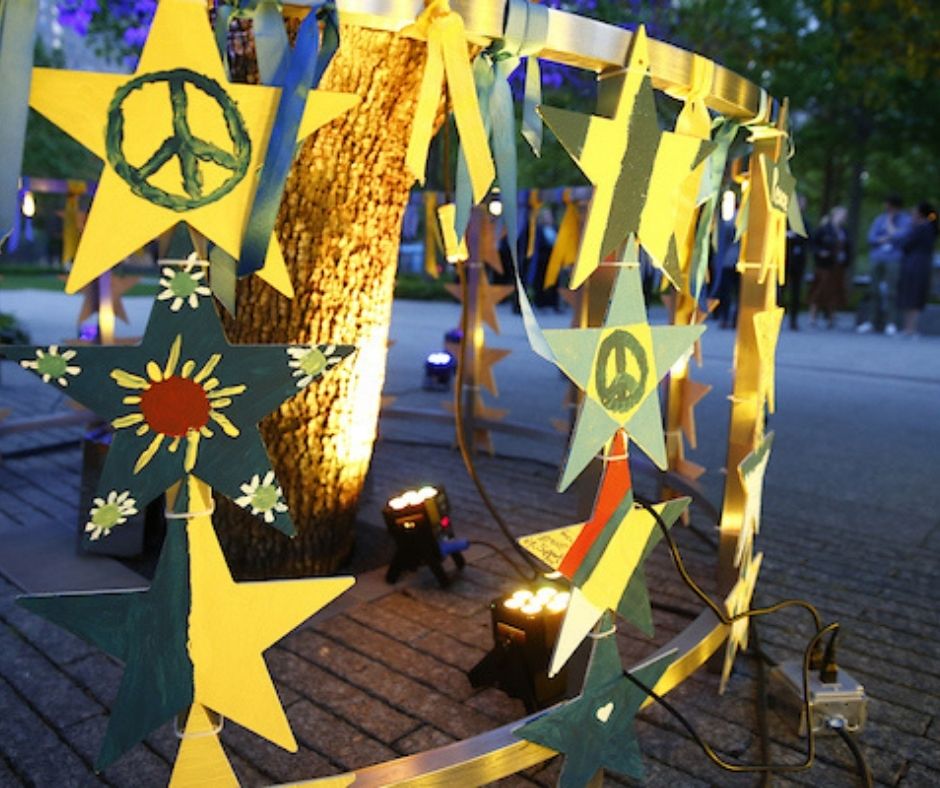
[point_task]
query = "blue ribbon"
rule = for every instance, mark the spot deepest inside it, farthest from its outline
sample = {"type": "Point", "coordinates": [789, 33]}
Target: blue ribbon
{"type": "Point", "coordinates": [17, 35]}
{"type": "Point", "coordinates": [301, 70]}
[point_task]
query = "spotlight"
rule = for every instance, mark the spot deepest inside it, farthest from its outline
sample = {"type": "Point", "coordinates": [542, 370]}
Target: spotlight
{"type": "Point", "coordinates": [29, 204]}
{"type": "Point", "coordinates": [419, 522]}
{"type": "Point", "coordinates": [525, 624]}
{"type": "Point", "coordinates": [438, 370]}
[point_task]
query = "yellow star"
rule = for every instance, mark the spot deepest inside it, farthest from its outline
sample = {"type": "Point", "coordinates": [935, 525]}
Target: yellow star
{"type": "Point", "coordinates": [637, 169]}
{"type": "Point", "coordinates": [231, 624]}
{"type": "Point", "coordinates": [482, 436]}
{"type": "Point", "coordinates": [751, 472]}
{"type": "Point", "coordinates": [488, 357]}
{"type": "Point", "coordinates": [179, 142]}
{"type": "Point", "coordinates": [692, 394]}
{"type": "Point", "coordinates": [766, 332]}
{"type": "Point", "coordinates": [739, 601]}
{"type": "Point", "coordinates": [489, 296]}
{"type": "Point", "coordinates": [92, 298]}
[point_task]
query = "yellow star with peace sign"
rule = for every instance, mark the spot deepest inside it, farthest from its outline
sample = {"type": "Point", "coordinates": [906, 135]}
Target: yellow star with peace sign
{"type": "Point", "coordinates": [179, 142]}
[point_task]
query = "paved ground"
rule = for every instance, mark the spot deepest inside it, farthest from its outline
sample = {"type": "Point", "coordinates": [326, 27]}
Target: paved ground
{"type": "Point", "coordinates": [850, 522]}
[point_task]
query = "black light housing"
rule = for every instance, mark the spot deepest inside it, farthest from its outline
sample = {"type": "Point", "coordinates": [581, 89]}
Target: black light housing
{"type": "Point", "coordinates": [419, 522]}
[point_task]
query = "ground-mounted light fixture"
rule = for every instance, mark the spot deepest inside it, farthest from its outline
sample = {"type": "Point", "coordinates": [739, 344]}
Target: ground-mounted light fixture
{"type": "Point", "coordinates": [525, 624]}
{"type": "Point", "coordinates": [419, 522]}
{"type": "Point", "coordinates": [438, 371]}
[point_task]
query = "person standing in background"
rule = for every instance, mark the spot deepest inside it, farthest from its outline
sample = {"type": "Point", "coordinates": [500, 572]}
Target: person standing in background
{"type": "Point", "coordinates": [798, 249]}
{"type": "Point", "coordinates": [833, 253]}
{"type": "Point", "coordinates": [916, 266]}
{"type": "Point", "coordinates": [884, 254]}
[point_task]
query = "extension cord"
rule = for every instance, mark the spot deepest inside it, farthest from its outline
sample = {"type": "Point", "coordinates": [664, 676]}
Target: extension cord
{"type": "Point", "coordinates": [841, 703]}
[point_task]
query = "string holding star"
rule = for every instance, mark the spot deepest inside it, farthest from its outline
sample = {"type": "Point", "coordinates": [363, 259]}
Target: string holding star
{"type": "Point", "coordinates": [179, 142]}
{"type": "Point", "coordinates": [183, 401]}
{"type": "Point", "coordinates": [595, 730]}
{"type": "Point", "coordinates": [194, 637]}
{"type": "Point", "coordinates": [619, 366]}
{"type": "Point", "coordinates": [604, 557]}
{"type": "Point", "coordinates": [637, 169]}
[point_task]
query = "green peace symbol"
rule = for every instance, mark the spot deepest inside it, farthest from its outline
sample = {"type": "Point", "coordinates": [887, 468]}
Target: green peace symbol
{"type": "Point", "coordinates": [189, 149]}
{"type": "Point", "coordinates": [622, 390]}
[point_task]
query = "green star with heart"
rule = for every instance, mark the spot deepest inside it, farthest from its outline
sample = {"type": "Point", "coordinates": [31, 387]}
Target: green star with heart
{"type": "Point", "coordinates": [183, 401]}
{"type": "Point", "coordinates": [618, 366]}
{"type": "Point", "coordinates": [637, 169]}
{"type": "Point", "coordinates": [595, 730]}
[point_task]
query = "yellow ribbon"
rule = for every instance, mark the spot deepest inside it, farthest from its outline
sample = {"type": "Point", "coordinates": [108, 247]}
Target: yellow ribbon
{"type": "Point", "coordinates": [694, 119]}
{"type": "Point", "coordinates": [535, 205]}
{"type": "Point", "coordinates": [448, 60]}
{"type": "Point", "coordinates": [72, 220]}
{"type": "Point", "coordinates": [455, 249]}
{"type": "Point", "coordinates": [432, 235]}
{"type": "Point", "coordinates": [565, 251]}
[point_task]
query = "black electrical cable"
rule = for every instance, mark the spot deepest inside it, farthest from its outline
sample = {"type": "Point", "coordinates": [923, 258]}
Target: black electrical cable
{"type": "Point", "coordinates": [462, 439]}
{"type": "Point", "coordinates": [713, 756]}
{"type": "Point", "coordinates": [861, 764]}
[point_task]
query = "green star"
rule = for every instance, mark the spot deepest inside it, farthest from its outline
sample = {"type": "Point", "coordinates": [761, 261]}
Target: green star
{"type": "Point", "coordinates": [619, 366]}
{"type": "Point", "coordinates": [184, 400]}
{"type": "Point", "coordinates": [595, 730]}
{"type": "Point", "coordinates": [637, 168]}
{"type": "Point", "coordinates": [147, 631]}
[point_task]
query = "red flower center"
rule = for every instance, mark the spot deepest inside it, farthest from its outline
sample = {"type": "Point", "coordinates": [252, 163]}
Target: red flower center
{"type": "Point", "coordinates": [175, 406]}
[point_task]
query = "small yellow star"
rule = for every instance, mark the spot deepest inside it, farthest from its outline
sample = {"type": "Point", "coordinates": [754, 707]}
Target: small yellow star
{"type": "Point", "coordinates": [766, 332]}
{"type": "Point", "coordinates": [751, 472]}
{"type": "Point", "coordinates": [739, 601]}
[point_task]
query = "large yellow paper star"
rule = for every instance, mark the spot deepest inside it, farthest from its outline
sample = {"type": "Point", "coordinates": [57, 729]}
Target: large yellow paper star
{"type": "Point", "coordinates": [751, 471]}
{"type": "Point", "coordinates": [179, 142]}
{"type": "Point", "coordinates": [739, 601]}
{"type": "Point", "coordinates": [231, 624]}
{"type": "Point", "coordinates": [637, 169]}
{"type": "Point", "coordinates": [201, 759]}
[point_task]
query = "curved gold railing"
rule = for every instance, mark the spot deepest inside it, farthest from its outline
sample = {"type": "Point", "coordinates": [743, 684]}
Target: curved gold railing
{"type": "Point", "coordinates": [498, 753]}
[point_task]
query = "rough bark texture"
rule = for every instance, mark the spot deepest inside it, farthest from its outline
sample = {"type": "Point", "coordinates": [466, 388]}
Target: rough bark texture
{"type": "Point", "coordinates": [339, 228]}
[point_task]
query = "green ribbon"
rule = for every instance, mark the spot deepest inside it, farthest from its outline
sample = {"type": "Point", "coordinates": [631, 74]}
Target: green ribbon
{"type": "Point", "coordinates": [524, 32]}
{"type": "Point", "coordinates": [17, 35]}
{"type": "Point", "coordinates": [525, 28]}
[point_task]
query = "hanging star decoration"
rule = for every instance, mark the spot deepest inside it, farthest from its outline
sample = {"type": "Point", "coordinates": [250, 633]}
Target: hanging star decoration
{"type": "Point", "coordinates": [487, 299]}
{"type": "Point", "coordinates": [636, 168]}
{"type": "Point", "coordinates": [183, 401]}
{"type": "Point", "coordinates": [489, 356]}
{"type": "Point", "coordinates": [619, 366]}
{"type": "Point", "coordinates": [767, 324]}
{"type": "Point", "coordinates": [595, 730]}
{"type": "Point", "coordinates": [91, 298]}
{"type": "Point", "coordinates": [194, 637]}
{"type": "Point", "coordinates": [604, 557]}
{"type": "Point", "coordinates": [179, 142]}
{"type": "Point", "coordinates": [739, 601]}
{"type": "Point", "coordinates": [751, 472]}
{"type": "Point", "coordinates": [692, 393]}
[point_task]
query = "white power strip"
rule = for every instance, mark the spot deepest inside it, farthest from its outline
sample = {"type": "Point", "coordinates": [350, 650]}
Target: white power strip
{"type": "Point", "coordinates": [838, 704]}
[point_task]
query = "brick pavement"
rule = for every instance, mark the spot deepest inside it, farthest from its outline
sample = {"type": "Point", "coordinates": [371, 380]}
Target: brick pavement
{"type": "Point", "coordinates": [385, 676]}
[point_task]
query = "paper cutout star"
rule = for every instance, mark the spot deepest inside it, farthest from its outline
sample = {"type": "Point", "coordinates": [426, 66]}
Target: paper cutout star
{"type": "Point", "coordinates": [487, 299]}
{"type": "Point", "coordinates": [487, 358]}
{"type": "Point", "coordinates": [692, 394]}
{"type": "Point", "coordinates": [751, 472]}
{"type": "Point", "coordinates": [200, 759]}
{"type": "Point", "coordinates": [595, 730]}
{"type": "Point", "coordinates": [678, 462]}
{"type": "Point", "coordinates": [176, 118]}
{"type": "Point", "coordinates": [619, 366]}
{"type": "Point", "coordinates": [739, 601]}
{"type": "Point", "coordinates": [604, 557]}
{"type": "Point", "coordinates": [91, 298]}
{"type": "Point", "coordinates": [482, 436]}
{"type": "Point", "coordinates": [194, 637]}
{"type": "Point", "coordinates": [766, 332]}
{"type": "Point", "coordinates": [183, 401]}
{"type": "Point", "coordinates": [637, 169]}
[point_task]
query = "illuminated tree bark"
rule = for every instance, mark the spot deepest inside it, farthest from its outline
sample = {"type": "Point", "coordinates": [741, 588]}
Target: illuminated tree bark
{"type": "Point", "coordinates": [339, 227]}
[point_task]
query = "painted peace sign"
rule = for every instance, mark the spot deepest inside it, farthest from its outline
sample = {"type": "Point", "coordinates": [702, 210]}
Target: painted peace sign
{"type": "Point", "coordinates": [621, 388]}
{"type": "Point", "coordinates": [189, 149]}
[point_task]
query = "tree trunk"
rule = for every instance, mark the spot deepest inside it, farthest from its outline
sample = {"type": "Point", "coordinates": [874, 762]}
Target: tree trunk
{"type": "Point", "coordinates": [339, 227]}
